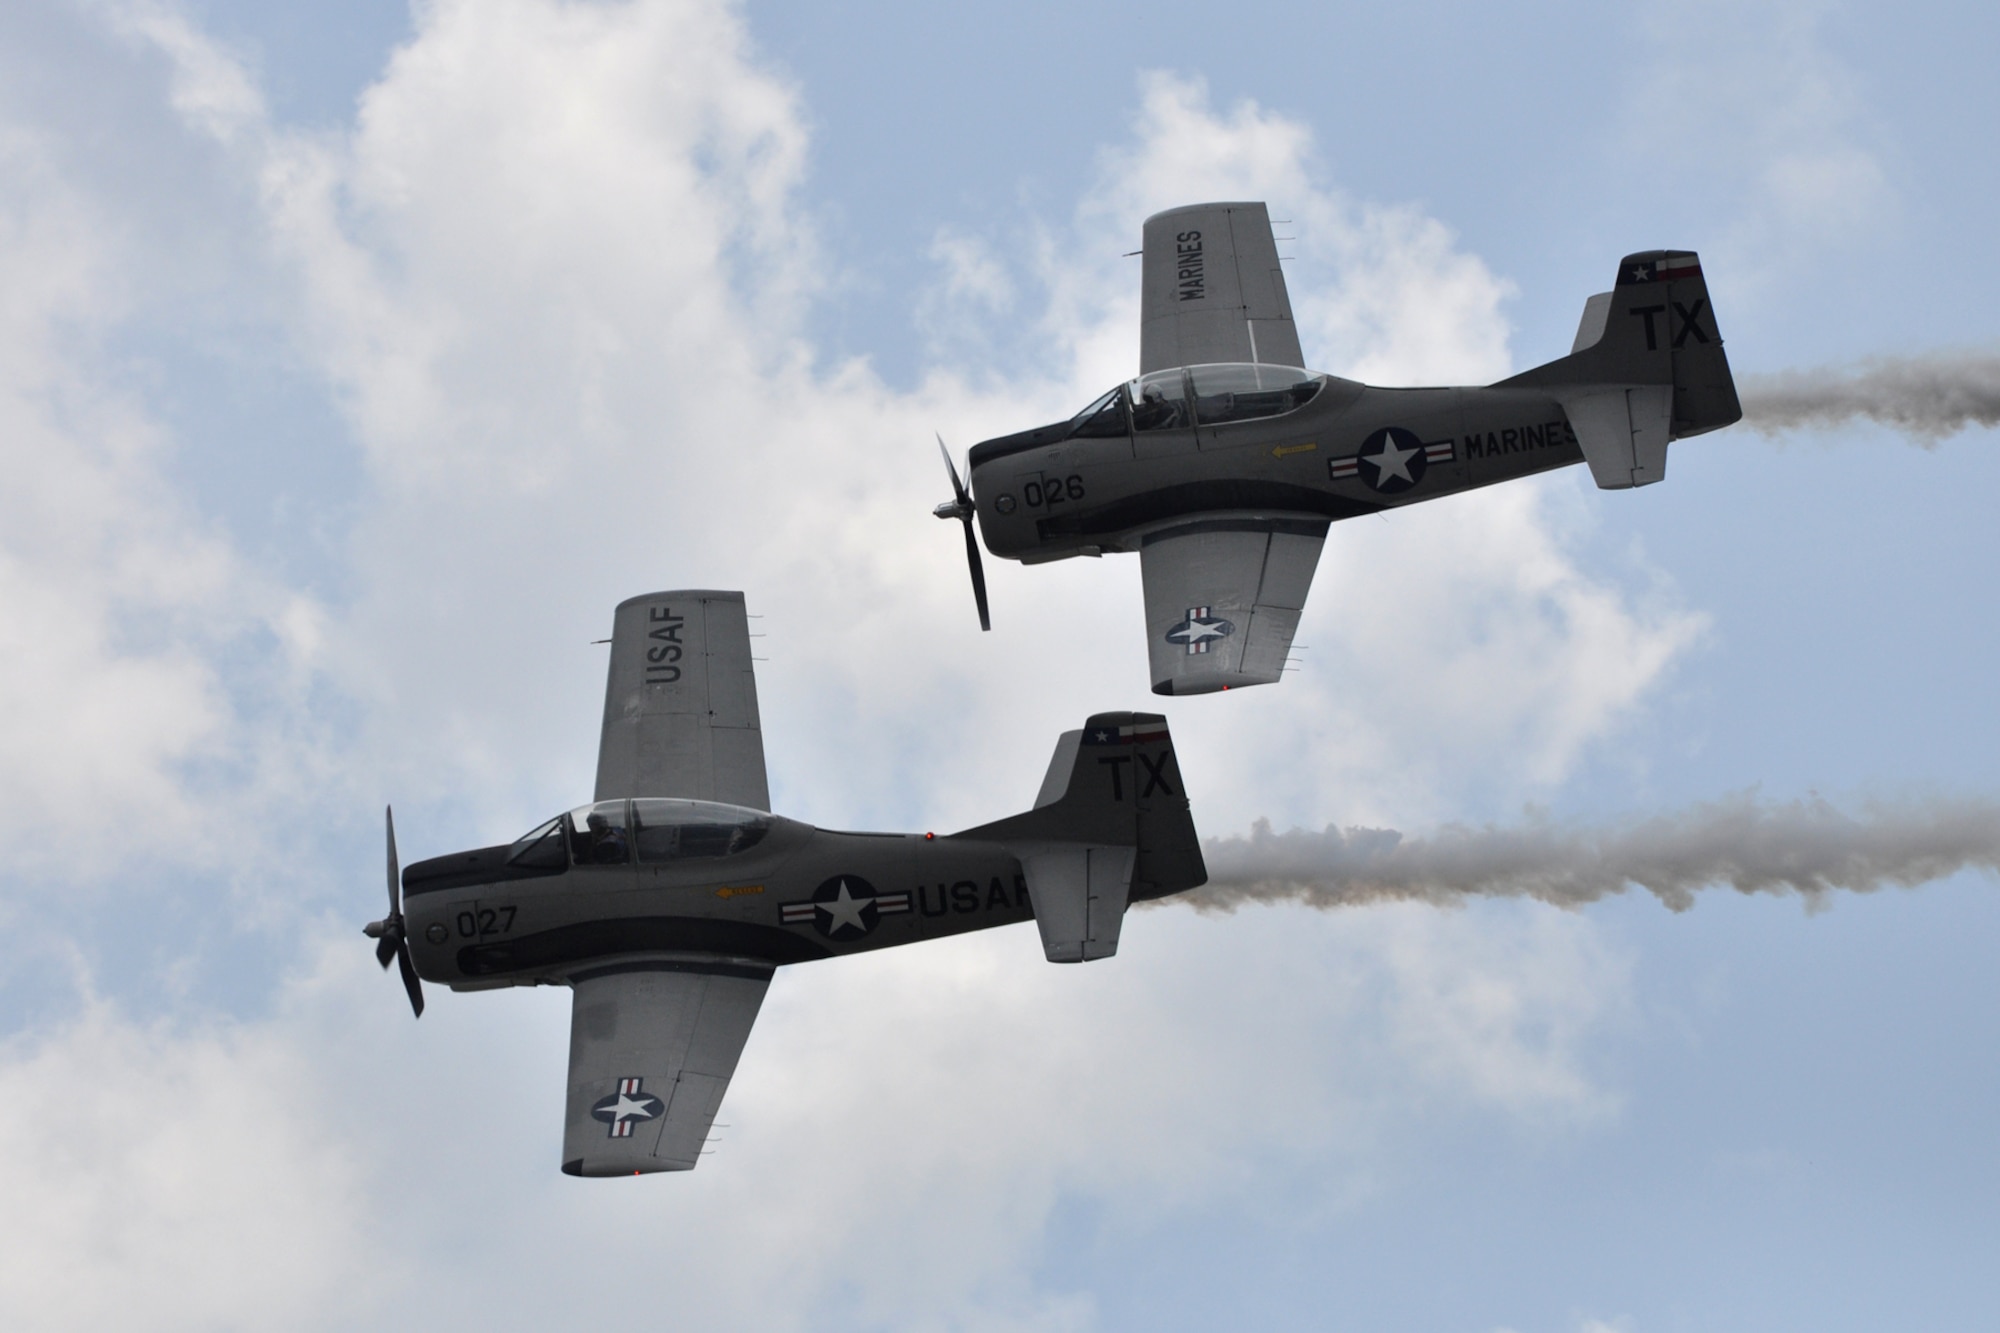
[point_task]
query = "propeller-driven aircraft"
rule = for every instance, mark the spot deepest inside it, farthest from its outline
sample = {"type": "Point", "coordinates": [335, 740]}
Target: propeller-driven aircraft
{"type": "Point", "coordinates": [667, 902]}
{"type": "Point", "coordinates": [1225, 461]}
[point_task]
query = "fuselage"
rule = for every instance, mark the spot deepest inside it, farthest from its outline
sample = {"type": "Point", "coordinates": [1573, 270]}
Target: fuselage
{"type": "Point", "coordinates": [1084, 487]}
{"type": "Point", "coordinates": [484, 918]}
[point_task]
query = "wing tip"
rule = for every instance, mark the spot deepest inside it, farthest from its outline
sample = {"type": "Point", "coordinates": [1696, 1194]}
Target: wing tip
{"type": "Point", "coordinates": [613, 1169]}
{"type": "Point", "coordinates": [704, 594]}
{"type": "Point", "coordinates": [1208, 208]}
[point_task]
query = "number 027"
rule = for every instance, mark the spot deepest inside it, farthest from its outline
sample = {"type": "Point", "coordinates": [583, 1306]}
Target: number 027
{"type": "Point", "coordinates": [487, 921]}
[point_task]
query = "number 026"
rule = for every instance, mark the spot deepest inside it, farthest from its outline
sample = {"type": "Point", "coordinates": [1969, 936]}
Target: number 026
{"type": "Point", "coordinates": [1052, 492]}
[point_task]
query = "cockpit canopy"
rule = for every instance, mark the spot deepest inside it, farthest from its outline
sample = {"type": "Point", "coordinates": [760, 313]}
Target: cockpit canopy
{"type": "Point", "coordinates": [1208, 395]}
{"type": "Point", "coordinates": [650, 830]}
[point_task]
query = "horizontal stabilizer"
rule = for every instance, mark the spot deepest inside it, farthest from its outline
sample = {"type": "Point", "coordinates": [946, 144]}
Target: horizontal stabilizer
{"type": "Point", "coordinates": [1623, 432]}
{"type": "Point", "coordinates": [1080, 894]}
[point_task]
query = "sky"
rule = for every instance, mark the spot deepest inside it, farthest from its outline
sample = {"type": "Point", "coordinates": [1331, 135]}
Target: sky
{"type": "Point", "coordinates": [357, 359]}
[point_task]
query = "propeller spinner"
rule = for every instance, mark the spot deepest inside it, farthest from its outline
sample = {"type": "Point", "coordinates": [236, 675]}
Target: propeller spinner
{"type": "Point", "coordinates": [388, 934]}
{"type": "Point", "coordinates": [961, 509]}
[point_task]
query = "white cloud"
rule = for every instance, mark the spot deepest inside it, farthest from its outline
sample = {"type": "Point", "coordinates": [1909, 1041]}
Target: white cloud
{"type": "Point", "coordinates": [116, 598]}
{"type": "Point", "coordinates": [1470, 1019]}
{"type": "Point", "coordinates": [1381, 293]}
{"type": "Point", "coordinates": [176, 1178]}
{"type": "Point", "coordinates": [209, 86]}
{"type": "Point", "coordinates": [972, 272]}
{"type": "Point", "coordinates": [333, 1160]}
{"type": "Point", "coordinates": [561, 297]}
{"type": "Point", "coordinates": [1751, 99]}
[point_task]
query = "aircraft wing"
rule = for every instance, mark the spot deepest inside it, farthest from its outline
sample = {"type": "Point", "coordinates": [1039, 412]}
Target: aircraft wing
{"type": "Point", "coordinates": [680, 706]}
{"type": "Point", "coordinates": [1212, 290]}
{"type": "Point", "coordinates": [652, 1045]}
{"type": "Point", "coordinates": [1223, 598]}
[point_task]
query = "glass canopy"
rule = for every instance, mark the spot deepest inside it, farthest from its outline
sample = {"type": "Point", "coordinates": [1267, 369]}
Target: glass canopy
{"type": "Point", "coordinates": [1209, 395]}
{"type": "Point", "coordinates": [652, 830]}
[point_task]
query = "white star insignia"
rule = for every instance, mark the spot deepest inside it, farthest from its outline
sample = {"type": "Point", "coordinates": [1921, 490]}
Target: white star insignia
{"type": "Point", "coordinates": [1200, 631]}
{"type": "Point", "coordinates": [630, 1108]}
{"type": "Point", "coordinates": [845, 909]}
{"type": "Point", "coordinates": [1391, 462]}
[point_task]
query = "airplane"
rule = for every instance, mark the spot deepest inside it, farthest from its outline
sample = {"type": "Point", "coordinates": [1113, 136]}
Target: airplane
{"type": "Point", "coordinates": [667, 902]}
{"type": "Point", "coordinates": [1225, 461]}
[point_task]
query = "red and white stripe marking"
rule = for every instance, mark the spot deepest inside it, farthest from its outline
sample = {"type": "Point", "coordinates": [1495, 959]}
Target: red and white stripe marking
{"type": "Point", "coordinates": [1666, 270]}
{"type": "Point", "coordinates": [1135, 733]}
{"type": "Point", "coordinates": [621, 1128]}
{"type": "Point", "coordinates": [801, 914]}
{"type": "Point", "coordinates": [1437, 451]}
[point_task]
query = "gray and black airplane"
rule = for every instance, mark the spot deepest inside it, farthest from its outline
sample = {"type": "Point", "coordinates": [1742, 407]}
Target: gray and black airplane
{"type": "Point", "coordinates": [1223, 464]}
{"type": "Point", "coordinates": [667, 902]}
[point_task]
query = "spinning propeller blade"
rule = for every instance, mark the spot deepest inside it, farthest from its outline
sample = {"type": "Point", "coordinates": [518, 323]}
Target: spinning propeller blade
{"type": "Point", "coordinates": [388, 933]}
{"type": "Point", "coordinates": [412, 987]}
{"type": "Point", "coordinates": [961, 508]}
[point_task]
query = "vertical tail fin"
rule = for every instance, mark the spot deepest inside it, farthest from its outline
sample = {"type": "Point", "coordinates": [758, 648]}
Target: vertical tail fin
{"type": "Point", "coordinates": [1110, 826]}
{"type": "Point", "coordinates": [1647, 368]}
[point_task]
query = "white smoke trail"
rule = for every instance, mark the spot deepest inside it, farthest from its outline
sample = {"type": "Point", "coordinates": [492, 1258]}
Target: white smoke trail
{"type": "Point", "coordinates": [1753, 846]}
{"type": "Point", "coordinates": [1927, 397]}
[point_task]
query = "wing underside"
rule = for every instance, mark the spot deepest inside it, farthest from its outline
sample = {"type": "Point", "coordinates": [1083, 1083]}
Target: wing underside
{"type": "Point", "coordinates": [1212, 290]}
{"type": "Point", "coordinates": [652, 1046]}
{"type": "Point", "coordinates": [680, 702]}
{"type": "Point", "coordinates": [1223, 598]}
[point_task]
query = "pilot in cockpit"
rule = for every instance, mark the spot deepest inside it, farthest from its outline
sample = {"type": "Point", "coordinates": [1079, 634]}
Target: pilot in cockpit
{"type": "Point", "coordinates": [1152, 411]}
{"type": "Point", "coordinates": [606, 842]}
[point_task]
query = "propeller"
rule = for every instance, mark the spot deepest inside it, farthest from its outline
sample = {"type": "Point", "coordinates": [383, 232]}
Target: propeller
{"type": "Point", "coordinates": [388, 934]}
{"type": "Point", "coordinates": [961, 509]}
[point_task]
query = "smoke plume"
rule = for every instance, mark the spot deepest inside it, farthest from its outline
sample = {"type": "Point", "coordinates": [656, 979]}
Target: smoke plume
{"type": "Point", "coordinates": [1805, 846]}
{"type": "Point", "coordinates": [1926, 397]}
